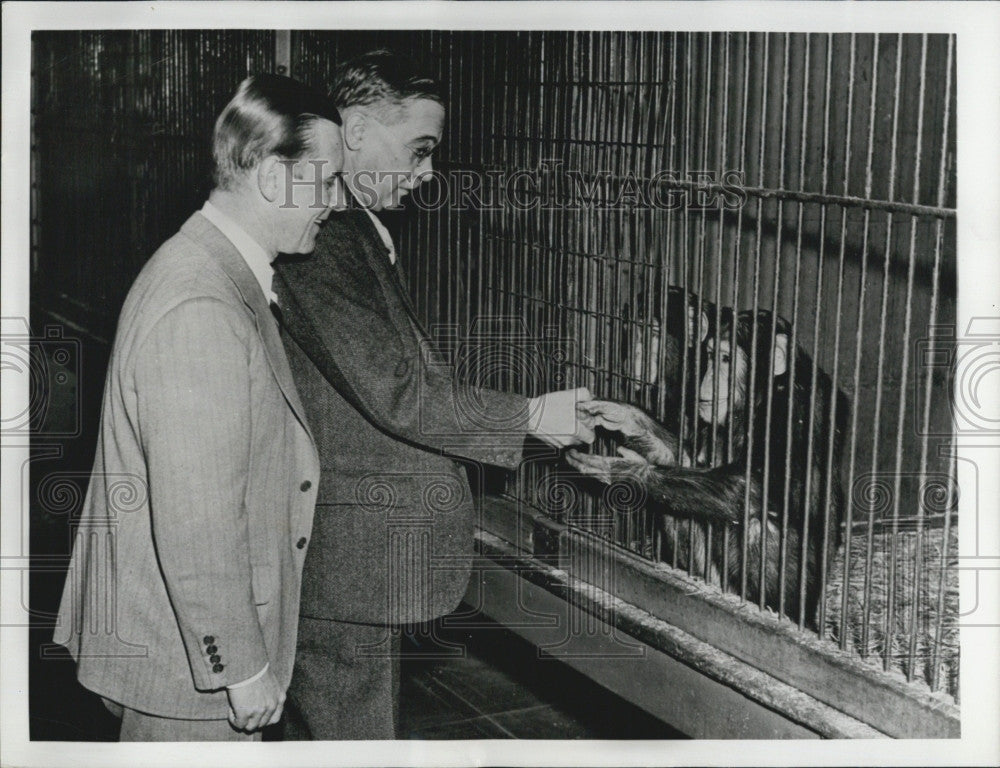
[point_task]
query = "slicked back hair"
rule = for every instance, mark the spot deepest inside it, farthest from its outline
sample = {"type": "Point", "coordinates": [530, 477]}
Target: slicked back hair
{"type": "Point", "coordinates": [382, 81]}
{"type": "Point", "coordinates": [269, 115]}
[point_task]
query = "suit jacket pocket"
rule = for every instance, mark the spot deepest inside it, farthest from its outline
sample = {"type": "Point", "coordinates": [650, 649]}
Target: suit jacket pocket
{"type": "Point", "coordinates": [263, 583]}
{"type": "Point", "coordinates": [336, 487]}
{"type": "Point", "coordinates": [376, 490]}
{"type": "Point", "coordinates": [420, 491]}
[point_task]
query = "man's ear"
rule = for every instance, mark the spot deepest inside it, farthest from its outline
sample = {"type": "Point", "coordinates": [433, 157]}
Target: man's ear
{"type": "Point", "coordinates": [355, 125]}
{"type": "Point", "coordinates": [780, 361]}
{"type": "Point", "coordinates": [269, 178]}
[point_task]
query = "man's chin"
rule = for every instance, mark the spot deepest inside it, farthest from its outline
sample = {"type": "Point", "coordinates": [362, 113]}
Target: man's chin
{"type": "Point", "coordinates": [395, 201]}
{"type": "Point", "coordinates": [305, 247]}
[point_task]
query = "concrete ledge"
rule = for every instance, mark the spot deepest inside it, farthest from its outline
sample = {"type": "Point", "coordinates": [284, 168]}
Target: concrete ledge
{"type": "Point", "coordinates": [687, 683]}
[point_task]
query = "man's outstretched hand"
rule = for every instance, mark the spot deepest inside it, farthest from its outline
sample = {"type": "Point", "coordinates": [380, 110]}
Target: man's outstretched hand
{"type": "Point", "coordinates": [554, 420]}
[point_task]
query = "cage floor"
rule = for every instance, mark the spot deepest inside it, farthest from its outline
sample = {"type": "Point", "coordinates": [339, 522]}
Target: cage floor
{"type": "Point", "coordinates": [501, 689]}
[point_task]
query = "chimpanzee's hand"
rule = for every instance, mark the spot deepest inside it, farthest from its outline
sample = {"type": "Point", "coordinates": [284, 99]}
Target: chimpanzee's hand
{"type": "Point", "coordinates": [628, 465]}
{"type": "Point", "coordinates": [642, 435]}
{"type": "Point", "coordinates": [614, 416]}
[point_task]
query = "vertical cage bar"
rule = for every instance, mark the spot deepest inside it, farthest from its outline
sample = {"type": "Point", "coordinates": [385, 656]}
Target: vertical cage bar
{"type": "Point", "coordinates": [689, 45]}
{"type": "Point", "coordinates": [880, 377]}
{"type": "Point", "coordinates": [766, 473]}
{"type": "Point", "coordinates": [748, 478]}
{"type": "Point", "coordinates": [783, 530]}
{"type": "Point", "coordinates": [702, 249]}
{"type": "Point", "coordinates": [487, 217]}
{"type": "Point", "coordinates": [860, 329]}
{"type": "Point", "coordinates": [724, 528]}
{"type": "Point", "coordinates": [664, 155]}
{"type": "Point", "coordinates": [904, 369]}
{"type": "Point", "coordinates": [793, 346]}
{"type": "Point", "coordinates": [861, 314]}
{"type": "Point", "coordinates": [925, 418]}
{"type": "Point", "coordinates": [737, 278]}
{"type": "Point", "coordinates": [834, 374]}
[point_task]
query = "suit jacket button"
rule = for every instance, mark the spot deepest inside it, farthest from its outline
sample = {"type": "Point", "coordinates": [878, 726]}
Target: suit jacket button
{"type": "Point", "coordinates": [306, 485]}
{"type": "Point", "coordinates": [211, 649]}
{"type": "Point", "coordinates": [217, 668]}
{"type": "Point", "coordinates": [215, 658]}
{"type": "Point", "coordinates": [301, 543]}
{"type": "Point", "coordinates": [208, 639]}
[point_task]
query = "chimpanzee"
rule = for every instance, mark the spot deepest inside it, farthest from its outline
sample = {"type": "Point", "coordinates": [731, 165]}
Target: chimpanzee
{"type": "Point", "coordinates": [688, 320]}
{"type": "Point", "coordinates": [712, 486]}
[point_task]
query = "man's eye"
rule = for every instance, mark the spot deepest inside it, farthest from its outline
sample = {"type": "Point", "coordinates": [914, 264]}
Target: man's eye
{"type": "Point", "coordinates": [423, 152]}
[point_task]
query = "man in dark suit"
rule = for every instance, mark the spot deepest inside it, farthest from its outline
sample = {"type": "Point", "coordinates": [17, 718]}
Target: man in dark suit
{"type": "Point", "coordinates": [393, 530]}
{"type": "Point", "coordinates": [181, 601]}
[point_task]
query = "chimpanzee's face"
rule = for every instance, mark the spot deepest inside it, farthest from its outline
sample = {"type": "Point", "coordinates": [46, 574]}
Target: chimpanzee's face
{"type": "Point", "coordinates": [713, 394]}
{"type": "Point", "coordinates": [734, 361]}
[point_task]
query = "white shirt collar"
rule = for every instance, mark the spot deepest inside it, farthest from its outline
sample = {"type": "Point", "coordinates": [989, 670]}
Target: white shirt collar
{"type": "Point", "coordinates": [251, 251]}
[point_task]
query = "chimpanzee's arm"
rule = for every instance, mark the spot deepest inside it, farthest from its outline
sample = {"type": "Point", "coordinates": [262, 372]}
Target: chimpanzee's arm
{"type": "Point", "coordinates": [711, 494]}
{"type": "Point", "coordinates": [657, 444]}
{"type": "Point", "coordinates": [714, 494]}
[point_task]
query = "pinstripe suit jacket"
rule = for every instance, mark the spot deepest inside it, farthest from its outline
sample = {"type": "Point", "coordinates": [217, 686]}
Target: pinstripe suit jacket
{"type": "Point", "coordinates": [392, 535]}
{"type": "Point", "coordinates": [186, 568]}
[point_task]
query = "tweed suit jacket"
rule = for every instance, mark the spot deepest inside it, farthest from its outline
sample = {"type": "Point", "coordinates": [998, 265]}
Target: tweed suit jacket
{"type": "Point", "coordinates": [392, 535]}
{"type": "Point", "coordinates": [186, 568]}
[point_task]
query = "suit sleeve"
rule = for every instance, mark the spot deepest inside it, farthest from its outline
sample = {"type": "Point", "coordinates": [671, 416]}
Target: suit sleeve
{"type": "Point", "coordinates": [192, 385]}
{"type": "Point", "coordinates": [334, 309]}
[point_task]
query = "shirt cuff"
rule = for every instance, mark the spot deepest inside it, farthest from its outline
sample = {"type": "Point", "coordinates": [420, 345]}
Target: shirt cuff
{"type": "Point", "coordinates": [249, 680]}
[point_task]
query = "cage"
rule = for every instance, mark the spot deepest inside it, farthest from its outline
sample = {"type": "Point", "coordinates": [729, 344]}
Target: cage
{"type": "Point", "coordinates": [807, 176]}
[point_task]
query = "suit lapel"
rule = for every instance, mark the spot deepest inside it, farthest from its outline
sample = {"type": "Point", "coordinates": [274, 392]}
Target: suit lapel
{"type": "Point", "coordinates": [399, 280]}
{"type": "Point", "coordinates": [390, 275]}
{"type": "Point", "coordinates": [233, 264]}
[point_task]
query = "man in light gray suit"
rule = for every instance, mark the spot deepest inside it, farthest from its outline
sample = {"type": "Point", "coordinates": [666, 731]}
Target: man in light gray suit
{"type": "Point", "coordinates": [182, 597]}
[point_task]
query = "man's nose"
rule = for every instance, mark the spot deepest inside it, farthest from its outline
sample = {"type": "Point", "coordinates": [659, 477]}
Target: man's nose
{"type": "Point", "coordinates": [420, 175]}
